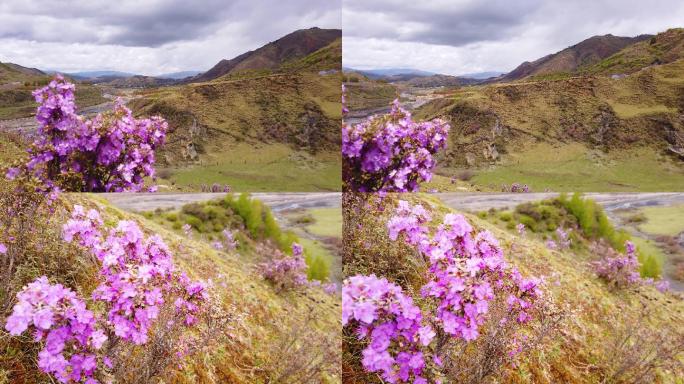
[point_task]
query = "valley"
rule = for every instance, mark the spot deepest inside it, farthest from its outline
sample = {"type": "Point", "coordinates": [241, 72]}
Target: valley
{"type": "Point", "coordinates": [603, 115]}
{"type": "Point", "coordinates": [267, 120]}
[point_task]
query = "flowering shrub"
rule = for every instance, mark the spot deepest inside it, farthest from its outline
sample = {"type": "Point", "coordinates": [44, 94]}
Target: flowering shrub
{"type": "Point", "coordinates": [110, 152]}
{"type": "Point", "coordinates": [69, 331]}
{"type": "Point", "coordinates": [136, 278]}
{"type": "Point", "coordinates": [229, 239]}
{"type": "Point", "coordinates": [622, 270]}
{"type": "Point", "coordinates": [466, 275]}
{"type": "Point", "coordinates": [214, 188]}
{"type": "Point", "coordinates": [563, 238]}
{"type": "Point", "coordinates": [617, 269]}
{"type": "Point", "coordinates": [467, 270]}
{"type": "Point", "coordinates": [392, 152]}
{"type": "Point", "coordinates": [550, 244]}
{"type": "Point", "coordinates": [515, 188]}
{"type": "Point", "coordinates": [286, 272]}
{"type": "Point", "coordinates": [187, 229]}
{"type": "Point", "coordinates": [521, 229]}
{"type": "Point", "coordinates": [391, 323]}
{"type": "Point", "coordinates": [662, 286]}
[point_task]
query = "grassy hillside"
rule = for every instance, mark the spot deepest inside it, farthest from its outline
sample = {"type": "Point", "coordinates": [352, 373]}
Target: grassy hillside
{"type": "Point", "coordinates": [604, 333]}
{"type": "Point", "coordinates": [276, 132]}
{"type": "Point", "coordinates": [17, 83]}
{"type": "Point", "coordinates": [575, 134]}
{"type": "Point", "coordinates": [325, 59]}
{"type": "Point", "coordinates": [665, 47]}
{"type": "Point", "coordinates": [287, 337]}
{"type": "Point", "coordinates": [254, 130]}
{"type": "Point", "coordinates": [364, 93]}
{"type": "Point", "coordinates": [274, 55]}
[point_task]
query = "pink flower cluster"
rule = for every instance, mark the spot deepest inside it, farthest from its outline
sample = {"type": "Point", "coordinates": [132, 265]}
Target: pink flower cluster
{"type": "Point", "coordinates": [515, 188]}
{"type": "Point", "coordinates": [620, 270]}
{"type": "Point", "coordinates": [522, 230]}
{"type": "Point", "coordinates": [68, 329]}
{"type": "Point", "coordinates": [286, 272]}
{"type": "Point", "coordinates": [137, 273]}
{"type": "Point", "coordinates": [467, 270]}
{"type": "Point", "coordinates": [392, 325]}
{"type": "Point", "coordinates": [137, 277]}
{"type": "Point", "coordinates": [229, 239]}
{"type": "Point", "coordinates": [564, 240]}
{"type": "Point", "coordinates": [391, 153]}
{"type": "Point", "coordinates": [187, 230]}
{"type": "Point", "coordinates": [111, 152]}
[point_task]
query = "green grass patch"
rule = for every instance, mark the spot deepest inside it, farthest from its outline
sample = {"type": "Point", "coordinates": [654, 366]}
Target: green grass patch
{"type": "Point", "coordinates": [650, 256]}
{"type": "Point", "coordinates": [318, 258]}
{"type": "Point", "coordinates": [251, 221]}
{"type": "Point", "coordinates": [571, 168]}
{"type": "Point", "coordinates": [628, 111]}
{"type": "Point", "coordinates": [251, 168]}
{"type": "Point", "coordinates": [663, 220]}
{"type": "Point", "coordinates": [327, 222]}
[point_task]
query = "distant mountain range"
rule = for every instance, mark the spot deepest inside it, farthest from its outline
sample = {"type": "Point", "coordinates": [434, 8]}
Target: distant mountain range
{"type": "Point", "coordinates": [584, 56]}
{"type": "Point", "coordinates": [291, 52]}
{"type": "Point", "coordinates": [92, 75]}
{"type": "Point", "coordinates": [178, 75]}
{"type": "Point", "coordinates": [376, 74]}
{"type": "Point", "coordinates": [423, 79]}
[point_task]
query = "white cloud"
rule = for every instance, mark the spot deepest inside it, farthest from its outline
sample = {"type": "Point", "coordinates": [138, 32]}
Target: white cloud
{"type": "Point", "coordinates": [149, 36]}
{"type": "Point", "coordinates": [464, 36]}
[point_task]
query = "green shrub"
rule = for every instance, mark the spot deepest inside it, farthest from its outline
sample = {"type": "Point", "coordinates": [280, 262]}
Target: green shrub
{"type": "Point", "coordinates": [194, 222]}
{"type": "Point", "coordinates": [595, 224]}
{"type": "Point", "coordinates": [271, 228]}
{"type": "Point", "coordinates": [317, 269]}
{"type": "Point", "coordinates": [650, 266]}
{"type": "Point", "coordinates": [505, 216]}
{"type": "Point", "coordinates": [171, 216]}
{"type": "Point", "coordinates": [529, 222]}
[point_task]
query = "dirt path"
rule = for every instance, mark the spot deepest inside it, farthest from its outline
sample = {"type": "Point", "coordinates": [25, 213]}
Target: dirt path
{"type": "Point", "coordinates": [277, 201]}
{"type": "Point", "coordinates": [473, 202]}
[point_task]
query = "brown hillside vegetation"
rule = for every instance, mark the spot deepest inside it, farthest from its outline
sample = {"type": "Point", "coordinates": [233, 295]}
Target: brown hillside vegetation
{"type": "Point", "coordinates": [290, 47]}
{"type": "Point", "coordinates": [272, 336]}
{"type": "Point", "coordinates": [587, 52]}
{"type": "Point", "coordinates": [605, 335]}
{"type": "Point", "coordinates": [644, 109]}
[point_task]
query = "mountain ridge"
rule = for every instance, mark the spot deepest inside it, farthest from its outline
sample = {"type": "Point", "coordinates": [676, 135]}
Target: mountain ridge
{"type": "Point", "coordinates": [586, 52]}
{"type": "Point", "coordinates": [292, 46]}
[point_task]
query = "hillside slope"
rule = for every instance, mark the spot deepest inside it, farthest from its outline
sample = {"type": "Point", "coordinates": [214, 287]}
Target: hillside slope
{"type": "Point", "coordinates": [663, 48]}
{"type": "Point", "coordinates": [290, 47]}
{"type": "Point", "coordinates": [587, 52]}
{"type": "Point", "coordinates": [596, 318]}
{"type": "Point", "coordinates": [255, 130]}
{"type": "Point", "coordinates": [275, 337]}
{"type": "Point", "coordinates": [582, 133]}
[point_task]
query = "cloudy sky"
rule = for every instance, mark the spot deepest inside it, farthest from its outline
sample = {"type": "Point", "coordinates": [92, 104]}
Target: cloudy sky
{"type": "Point", "coordinates": [466, 36]}
{"type": "Point", "coordinates": [149, 36]}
